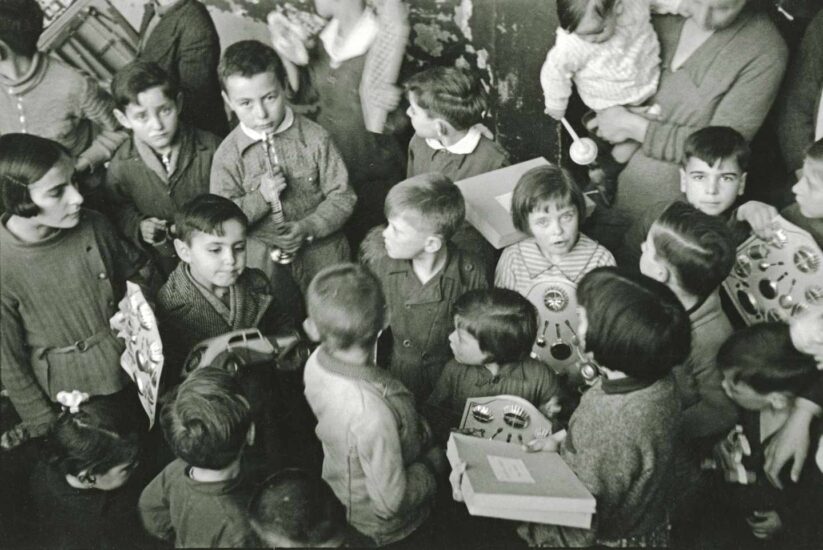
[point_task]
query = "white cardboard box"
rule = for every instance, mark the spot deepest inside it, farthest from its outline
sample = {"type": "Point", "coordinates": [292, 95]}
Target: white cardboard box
{"type": "Point", "coordinates": [503, 481]}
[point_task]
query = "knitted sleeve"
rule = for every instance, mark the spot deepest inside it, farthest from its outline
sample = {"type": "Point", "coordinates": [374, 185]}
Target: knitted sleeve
{"type": "Point", "coordinates": [556, 74]}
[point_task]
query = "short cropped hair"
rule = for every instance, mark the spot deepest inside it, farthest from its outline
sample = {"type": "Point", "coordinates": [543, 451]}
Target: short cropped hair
{"type": "Point", "coordinates": [206, 419]}
{"type": "Point", "coordinates": [248, 58]}
{"type": "Point", "coordinates": [207, 214]}
{"type": "Point", "coordinates": [24, 159]}
{"type": "Point", "coordinates": [451, 94]}
{"type": "Point", "coordinates": [716, 143]}
{"type": "Point", "coordinates": [636, 325]}
{"type": "Point", "coordinates": [137, 77]}
{"type": "Point", "coordinates": [697, 247]}
{"type": "Point", "coordinates": [21, 24]}
{"type": "Point", "coordinates": [542, 186]}
{"type": "Point", "coordinates": [433, 199]}
{"type": "Point", "coordinates": [347, 306]}
{"type": "Point", "coordinates": [763, 357]}
{"type": "Point", "coordinates": [295, 505]}
{"type": "Point", "coordinates": [502, 320]}
{"type": "Point", "coordinates": [815, 151]}
{"type": "Point", "coordinates": [571, 12]}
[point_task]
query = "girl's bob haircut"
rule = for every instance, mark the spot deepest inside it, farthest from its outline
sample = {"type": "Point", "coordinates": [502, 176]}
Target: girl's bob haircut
{"type": "Point", "coordinates": [540, 187]}
{"type": "Point", "coordinates": [24, 159]}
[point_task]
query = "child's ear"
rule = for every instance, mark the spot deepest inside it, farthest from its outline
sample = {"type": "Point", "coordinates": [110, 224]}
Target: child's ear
{"type": "Point", "coordinates": [442, 128]}
{"type": "Point", "coordinates": [433, 243]}
{"type": "Point", "coordinates": [227, 100]}
{"type": "Point", "coordinates": [122, 119]}
{"type": "Point", "coordinates": [183, 250]}
{"type": "Point", "coordinates": [778, 400]}
{"type": "Point", "coordinates": [683, 180]}
{"type": "Point", "coordinates": [661, 272]}
{"type": "Point", "coordinates": [310, 328]}
{"type": "Point", "coordinates": [742, 187]}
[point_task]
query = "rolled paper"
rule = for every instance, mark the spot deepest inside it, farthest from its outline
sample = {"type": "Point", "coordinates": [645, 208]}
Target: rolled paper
{"type": "Point", "coordinates": [583, 151]}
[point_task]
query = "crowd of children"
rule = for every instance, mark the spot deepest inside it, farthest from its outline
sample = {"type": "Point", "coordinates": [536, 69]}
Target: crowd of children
{"type": "Point", "coordinates": [691, 427]}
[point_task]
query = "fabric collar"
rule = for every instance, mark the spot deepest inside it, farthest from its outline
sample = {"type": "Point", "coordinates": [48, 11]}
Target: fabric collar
{"type": "Point", "coordinates": [285, 124]}
{"type": "Point", "coordinates": [466, 145]}
{"type": "Point", "coordinates": [30, 78]}
{"type": "Point", "coordinates": [160, 11]}
{"type": "Point", "coordinates": [623, 385]}
{"type": "Point", "coordinates": [227, 312]}
{"type": "Point", "coordinates": [509, 370]}
{"type": "Point", "coordinates": [357, 43]}
{"type": "Point", "coordinates": [150, 157]}
{"type": "Point", "coordinates": [537, 263]}
{"type": "Point", "coordinates": [367, 373]}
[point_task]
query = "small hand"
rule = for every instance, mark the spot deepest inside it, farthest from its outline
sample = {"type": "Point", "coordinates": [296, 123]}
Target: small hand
{"type": "Point", "coordinates": [547, 444]}
{"type": "Point", "coordinates": [271, 185]}
{"type": "Point", "coordinates": [760, 216]}
{"type": "Point", "coordinates": [290, 237]}
{"type": "Point", "coordinates": [617, 124]}
{"type": "Point", "coordinates": [151, 229]}
{"type": "Point", "coordinates": [456, 481]}
{"type": "Point", "coordinates": [551, 408]}
{"type": "Point", "coordinates": [790, 444]}
{"type": "Point", "coordinates": [555, 114]}
{"type": "Point", "coordinates": [82, 165]}
{"type": "Point", "coordinates": [764, 523]}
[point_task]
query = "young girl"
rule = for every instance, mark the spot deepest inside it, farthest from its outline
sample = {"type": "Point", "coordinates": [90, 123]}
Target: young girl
{"type": "Point", "coordinates": [494, 332]}
{"type": "Point", "coordinates": [63, 274]}
{"type": "Point", "coordinates": [84, 492]}
{"type": "Point", "coordinates": [548, 206]}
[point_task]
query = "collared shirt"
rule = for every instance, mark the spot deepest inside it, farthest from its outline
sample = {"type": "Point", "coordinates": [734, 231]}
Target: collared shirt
{"type": "Point", "coordinates": [355, 44]}
{"type": "Point", "coordinates": [460, 161]}
{"type": "Point", "coordinates": [285, 124]}
{"type": "Point", "coordinates": [226, 309]}
{"type": "Point", "coordinates": [466, 145]}
{"type": "Point", "coordinates": [154, 161]}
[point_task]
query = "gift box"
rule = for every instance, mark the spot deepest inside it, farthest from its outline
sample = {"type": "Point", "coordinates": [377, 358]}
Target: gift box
{"type": "Point", "coordinates": [503, 481]}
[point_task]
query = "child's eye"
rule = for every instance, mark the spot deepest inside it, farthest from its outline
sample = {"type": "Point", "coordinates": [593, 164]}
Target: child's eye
{"type": "Point", "coordinates": [166, 110]}
{"type": "Point", "coordinates": [141, 117]}
{"type": "Point", "coordinates": [213, 250]}
{"type": "Point", "coordinates": [240, 248]}
{"type": "Point", "coordinates": [567, 217]}
{"type": "Point", "coordinates": [698, 177]}
{"type": "Point", "coordinates": [729, 178]}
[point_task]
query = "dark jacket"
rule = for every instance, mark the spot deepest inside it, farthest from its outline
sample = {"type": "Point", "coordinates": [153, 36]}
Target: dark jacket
{"type": "Point", "coordinates": [186, 45]}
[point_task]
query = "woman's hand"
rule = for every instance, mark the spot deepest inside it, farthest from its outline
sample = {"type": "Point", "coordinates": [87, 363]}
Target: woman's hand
{"type": "Point", "coordinates": [618, 124]}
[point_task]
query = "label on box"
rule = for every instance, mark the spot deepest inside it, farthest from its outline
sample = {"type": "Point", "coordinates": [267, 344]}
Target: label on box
{"type": "Point", "coordinates": [509, 470]}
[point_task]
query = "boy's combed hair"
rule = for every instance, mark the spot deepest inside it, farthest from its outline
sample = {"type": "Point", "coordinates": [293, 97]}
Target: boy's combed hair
{"type": "Point", "coordinates": [697, 247]}
{"type": "Point", "coordinates": [137, 77]}
{"type": "Point", "coordinates": [248, 58]}
{"type": "Point", "coordinates": [206, 419]}
{"type": "Point", "coordinates": [24, 159]}
{"type": "Point", "coordinates": [451, 94]}
{"type": "Point", "coordinates": [815, 151]}
{"type": "Point", "coordinates": [100, 436]}
{"type": "Point", "coordinates": [763, 357]}
{"type": "Point", "coordinates": [431, 198]}
{"type": "Point", "coordinates": [295, 505]}
{"type": "Point", "coordinates": [571, 12]}
{"type": "Point", "coordinates": [207, 214]}
{"type": "Point", "coordinates": [21, 24]}
{"type": "Point", "coordinates": [346, 304]}
{"type": "Point", "coordinates": [502, 320]}
{"type": "Point", "coordinates": [716, 143]}
{"type": "Point", "coordinates": [636, 325]}
{"type": "Point", "coordinates": [540, 187]}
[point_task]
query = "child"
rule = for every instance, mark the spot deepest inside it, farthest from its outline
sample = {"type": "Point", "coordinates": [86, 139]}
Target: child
{"type": "Point", "coordinates": [84, 492]}
{"type": "Point", "coordinates": [493, 335]}
{"type": "Point", "coordinates": [292, 509]}
{"type": "Point", "coordinates": [610, 51]}
{"type": "Point", "coordinates": [712, 178]}
{"type": "Point", "coordinates": [200, 498]}
{"type": "Point", "coordinates": [276, 159]}
{"type": "Point", "coordinates": [548, 206]}
{"type": "Point", "coordinates": [164, 166]}
{"type": "Point", "coordinates": [621, 438]}
{"type": "Point", "coordinates": [446, 107]}
{"type": "Point", "coordinates": [807, 211]}
{"type": "Point", "coordinates": [64, 272]}
{"type": "Point", "coordinates": [374, 441]}
{"type": "Point", "coordinates": [41, 95]}
{"type": "Point", "coordinates": [179, 35]}
{"type": "Point", "coordinates": [762, 374]}
{"type": "Point", "coordinates": [422, 275]}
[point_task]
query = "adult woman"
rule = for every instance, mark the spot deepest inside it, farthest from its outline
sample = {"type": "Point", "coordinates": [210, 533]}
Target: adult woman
{"type": "Point", "coordinates": [721, 66]}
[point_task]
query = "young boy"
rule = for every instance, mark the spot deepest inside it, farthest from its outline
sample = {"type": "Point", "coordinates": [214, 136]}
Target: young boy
{"type": "Point", "coordinates": [162, 167]}
{"type": "Point", "coordinates": [422, 275]}
{"type": "Point", "coordinates": [293, 509]}
{"type": "Point", "coordinates": [712, 178]}
{"type": "Point", "coordinates": [277, 159]}
{"type": "Point", "coordinates": [763, 373]}
{"type": "Point", "coordinates": [375, 444]}
{"type": "Point", "coordinates": [446, 108]}
{"type": "Point", "coordinates": [807, 211]}
{"type": "Point", "coordinates": [41, 95]}
{"type": "Point", "coordinates": [179, 35]}
{"type": "Point", "coordinates": [199, 500]}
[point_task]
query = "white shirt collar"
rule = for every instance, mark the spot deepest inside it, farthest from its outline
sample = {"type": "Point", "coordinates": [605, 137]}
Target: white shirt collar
{"type": "Point", "coordinates": [467, 143]}
{"type": "Point", "coordinates": [285, 124]}
{"type": "Point", "coordinates": [357, 43]}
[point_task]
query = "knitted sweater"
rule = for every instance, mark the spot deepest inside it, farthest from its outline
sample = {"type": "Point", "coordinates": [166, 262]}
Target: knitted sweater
{"type": "Point", "coordinates": [58, 102]}
{"type": "Point", "coordinates": [730, 80]}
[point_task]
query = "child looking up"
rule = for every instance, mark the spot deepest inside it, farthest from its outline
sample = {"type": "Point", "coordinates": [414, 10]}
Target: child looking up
{"type": "Point", "coordinates": [763, 373]}
{"type": "Point", "coordinates": [422, 274]}
{"type": "Point", "coordinates": [276, 161]}
{"type": "Point", "coordinates": [163, 166]}
{"type": "Point", "coordinates": [807, 211]}
{"type": "Point", "coordinates": [84, 493]}
{"type": "Point", "coordinates": [199, 499]}
{"type": "Point", "coordinates": [493, 335]}
{"type": "Point", "coordinates": [64, 272]}
{"type": "Point", "coordinates": [446, 107]}
{"type": "Point", "coordinates": [621, 438]}
{"type": "Point", "coordinates": [41, 95]}
{"type": "Point", "coordinates": [375, 445]}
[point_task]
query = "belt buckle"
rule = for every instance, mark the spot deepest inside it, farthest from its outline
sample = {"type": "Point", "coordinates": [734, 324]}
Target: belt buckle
{"type": "Point", "coordinates": [80, 346]}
